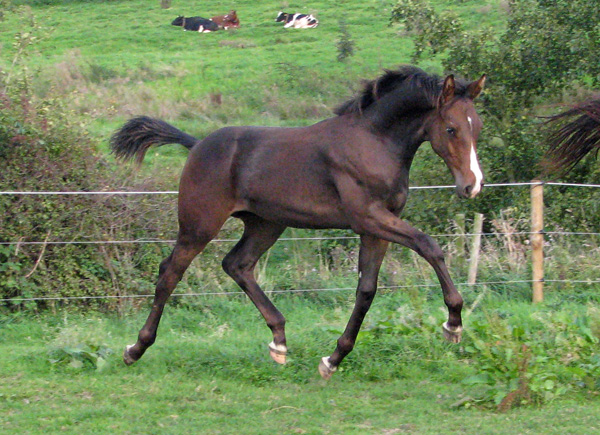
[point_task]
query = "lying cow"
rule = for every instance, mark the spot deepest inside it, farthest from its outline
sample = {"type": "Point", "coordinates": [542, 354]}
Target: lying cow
{"type": "Point", "coordinates": [297, 21]}
{"type": "Point", "coordinates": [196, 24]}
{"type": "Point", "coordinates": [227, 21]}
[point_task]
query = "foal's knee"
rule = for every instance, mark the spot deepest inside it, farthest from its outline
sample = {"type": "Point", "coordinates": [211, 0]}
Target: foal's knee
{"type": "Point", "coordinates": [430, 249]}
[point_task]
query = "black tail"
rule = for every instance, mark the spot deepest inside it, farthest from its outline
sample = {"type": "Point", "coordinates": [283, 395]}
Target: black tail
{"type": "Point", "coordinates": [577, 134]}
{"type": "Point", "coordinates": [139, 134]}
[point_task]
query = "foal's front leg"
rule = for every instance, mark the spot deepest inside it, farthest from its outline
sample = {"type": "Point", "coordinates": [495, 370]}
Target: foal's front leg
{"type": "Point", "coordinates": [372, 252]}
{"type": "Point", "coordinates": [384, 224]}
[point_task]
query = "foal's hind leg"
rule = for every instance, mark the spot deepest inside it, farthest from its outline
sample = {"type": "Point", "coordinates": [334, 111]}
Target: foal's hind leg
{"type": "Point", "coordinates": [372, 252]}
{"type": "Point", "coordinates": [259, 235]}
{"type": "Point", "coordinates": [170, 272]}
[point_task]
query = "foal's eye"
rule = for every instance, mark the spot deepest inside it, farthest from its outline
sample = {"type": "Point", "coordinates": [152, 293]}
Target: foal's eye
{"type": "Point", "coordinates": [451, 131]}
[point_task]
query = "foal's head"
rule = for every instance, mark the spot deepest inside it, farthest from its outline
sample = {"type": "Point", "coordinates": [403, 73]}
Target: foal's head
{"type": "Point", "coordinates": [445, 116]}
{"type": "Point", "coordinates": [452, 128]}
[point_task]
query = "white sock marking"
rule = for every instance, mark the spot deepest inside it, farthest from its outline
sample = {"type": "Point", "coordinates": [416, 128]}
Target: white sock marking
{"type": "Point", "coordinates": [278, 347]}
{"type": "Point", "coordinates": [327, 364]}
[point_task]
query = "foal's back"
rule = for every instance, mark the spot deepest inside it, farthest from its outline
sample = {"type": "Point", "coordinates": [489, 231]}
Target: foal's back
{"type": "Point", "coordinates": [287, 174]}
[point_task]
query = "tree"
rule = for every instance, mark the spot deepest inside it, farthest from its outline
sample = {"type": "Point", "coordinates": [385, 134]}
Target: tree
{"type": "Point", "coordinates": [547, 50]}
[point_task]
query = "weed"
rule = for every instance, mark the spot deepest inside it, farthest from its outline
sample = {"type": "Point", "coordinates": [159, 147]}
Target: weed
{"type": "Point", "coordinates": [345, 45]}
{"type": "Point", "coordinates": [79, 356]}
{"type": "Point", "coordinates": [531, 359]}
{"type": "Point", "coordinates": [80, 346]}
{"type": "Point", "coordinates": [519, 355]}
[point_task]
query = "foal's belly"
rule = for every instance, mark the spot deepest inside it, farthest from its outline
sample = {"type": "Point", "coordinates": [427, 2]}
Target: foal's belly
{"type": "Point", "coordinates": [317, 216]}
{"type": "Point", "coordinates": [309, 206]}
{"type": "Point", "coordinates": [300, 196]}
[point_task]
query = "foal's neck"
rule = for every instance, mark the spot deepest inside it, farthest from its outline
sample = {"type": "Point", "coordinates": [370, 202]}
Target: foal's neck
{"type": "Point", "coordinates": [406, 132]}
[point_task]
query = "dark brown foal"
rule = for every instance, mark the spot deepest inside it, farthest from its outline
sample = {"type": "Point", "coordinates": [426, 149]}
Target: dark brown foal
{"type": "Point", "coordinates": [349, 171]}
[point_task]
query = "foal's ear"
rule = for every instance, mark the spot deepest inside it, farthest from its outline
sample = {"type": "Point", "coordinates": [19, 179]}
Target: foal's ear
{"type": "Point", "coordinates": [447, 91]}
{"type": "Point", "coordinates": [475, 88]}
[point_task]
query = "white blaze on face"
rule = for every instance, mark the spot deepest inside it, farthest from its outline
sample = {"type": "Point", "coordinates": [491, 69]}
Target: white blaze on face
{"type": "Point", "coordinates": [476, 171]}
{"type": "Point", "coordinates": [474, 165]}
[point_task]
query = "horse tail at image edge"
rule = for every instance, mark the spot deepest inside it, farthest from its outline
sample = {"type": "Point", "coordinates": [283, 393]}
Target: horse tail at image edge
{"type": "Point", "coordinates": [577, 134]}
{"type": "Point", "coordinates": [140, 133]}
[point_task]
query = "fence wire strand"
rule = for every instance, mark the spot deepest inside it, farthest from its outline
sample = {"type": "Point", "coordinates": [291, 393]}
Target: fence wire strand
{"type": "Point", "coordinates": [289, 291]}
{"type": "Point", "coordinates": [174, 192]}
{"type": "Point", "coordinates": [283, 239]}
{"type": "Point", "coordinates": [240, 293]}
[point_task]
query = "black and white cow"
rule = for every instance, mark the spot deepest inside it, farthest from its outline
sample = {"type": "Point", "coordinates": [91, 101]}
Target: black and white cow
{"type": "Point", "coordinates": [297, 21]}
{"type": "Point", "coordinates": [196, 24]}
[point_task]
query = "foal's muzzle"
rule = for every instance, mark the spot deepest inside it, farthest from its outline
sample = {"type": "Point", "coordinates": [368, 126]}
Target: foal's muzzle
{"type": "Point", "coordinates": [469, 190]}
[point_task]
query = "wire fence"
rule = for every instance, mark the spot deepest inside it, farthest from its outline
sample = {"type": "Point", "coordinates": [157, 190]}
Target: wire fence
{"type": "Point", "coordinates": [283, 239]}
{"type": "Point", "coordinates": [239, 293]}
{"type": "Point", "coordinates": [292, 291]}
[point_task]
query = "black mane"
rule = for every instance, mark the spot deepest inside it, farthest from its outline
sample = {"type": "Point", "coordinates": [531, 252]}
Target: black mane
{"type": "Point", "coordinates": [416, 90]}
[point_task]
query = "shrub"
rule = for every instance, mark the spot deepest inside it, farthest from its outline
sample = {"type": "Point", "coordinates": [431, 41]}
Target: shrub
{"type": "Point", "coordinates": [518, 354]}
{"type": "Point", "coordinates": [44, 146]}
{"type": "Point", "coordinates": [345, 45]}
{"type": "Point", "coordinates": [545, 51]}
{"type": "Point", "coordinates": [78, 347]}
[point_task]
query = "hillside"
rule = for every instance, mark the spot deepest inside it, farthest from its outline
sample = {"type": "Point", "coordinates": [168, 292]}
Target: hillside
{"type": "Point", "coordinates": [116, 59]}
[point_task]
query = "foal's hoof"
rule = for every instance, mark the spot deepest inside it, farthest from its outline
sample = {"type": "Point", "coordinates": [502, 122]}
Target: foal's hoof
{"type": "Point", "coordinates": [453, 335]}
{"type": "Point", "coordinates": [326, 369]}
{"type": "Point", "coordinates": [127, 358]}
{"type": "Point", "coordinates": [277, 352]}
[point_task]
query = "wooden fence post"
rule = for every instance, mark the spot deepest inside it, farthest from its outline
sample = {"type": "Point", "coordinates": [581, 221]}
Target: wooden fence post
{"type": "Point", "coordinates": [537, 239]}
{"type": "Point", "coordinates": [461, 238]}
{"type": "Point", "coordinates": [475, 246]}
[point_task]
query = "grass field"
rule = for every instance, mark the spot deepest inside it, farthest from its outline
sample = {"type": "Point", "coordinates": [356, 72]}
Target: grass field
{"type": "Point", "coordinates": [113, 60]}
{"type": "Point", "coordinates": [209, 372]}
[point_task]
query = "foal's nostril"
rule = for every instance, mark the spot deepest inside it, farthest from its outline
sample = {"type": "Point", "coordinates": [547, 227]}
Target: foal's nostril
{"type": "Point", "coordinates": [468, 190]}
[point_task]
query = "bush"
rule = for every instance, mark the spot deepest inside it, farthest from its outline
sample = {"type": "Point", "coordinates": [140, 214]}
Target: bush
{"type": "Point", "coordinates": [44, 147]}
{"type": "Point", "coordinates": [545, 52]}
{"type": "Point", "coordinates": [518, 353]}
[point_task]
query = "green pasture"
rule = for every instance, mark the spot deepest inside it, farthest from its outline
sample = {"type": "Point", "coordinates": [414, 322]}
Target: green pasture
{"type": "Point", "coordinates": [209, 372]}
{"type": "Point", "coordinates": [112, 60]}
